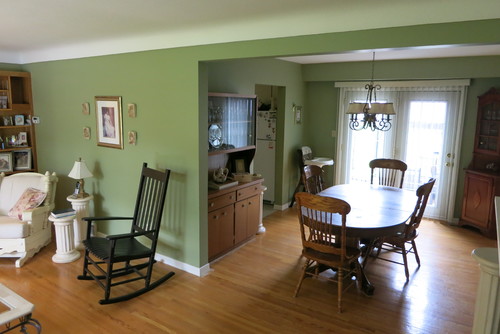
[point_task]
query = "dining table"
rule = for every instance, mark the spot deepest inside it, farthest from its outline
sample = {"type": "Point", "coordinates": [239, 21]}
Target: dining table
{"type": "Point", "coordinates": [376, 211]}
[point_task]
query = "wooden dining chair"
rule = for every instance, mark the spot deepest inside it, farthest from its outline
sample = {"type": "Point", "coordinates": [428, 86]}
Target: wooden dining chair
{"type": "Point", "coordinates": [404, 242]}
{"type": "Point", "coordinates": [321, 220]}
{"type": "Point", "coordinates": [313, 179]}
{"type": "Point", "coordinates": [389, 171]}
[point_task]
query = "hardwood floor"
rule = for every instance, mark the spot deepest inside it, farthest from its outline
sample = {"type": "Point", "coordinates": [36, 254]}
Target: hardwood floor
{"type": "Point", "coordinates": [251, 291]}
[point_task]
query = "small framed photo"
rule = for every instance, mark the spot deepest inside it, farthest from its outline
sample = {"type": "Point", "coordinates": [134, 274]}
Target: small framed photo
{"type": "Point", "coordinates": [131, 110]}
{"type": "Point", "coordinates": [22, 159]}
{"type": "Point", "coordinates": [19, 119]}
{"type": "Point", "coordinates": [6, 162]}
{"type": "Point", "coordinates": [132, 137]}
{"type": "Point", "coordinates": [86, 133]}
{"type": "Point", "coordinates": [86, 108]}
{"type": "Point", "coordinates": [239, 165]}
{"type": "Point", "coordinates": [22, 138]}
{"type": "Point", "coordinates": [109, 121]}
{"type": "Point", "coordinates": [7, 120]}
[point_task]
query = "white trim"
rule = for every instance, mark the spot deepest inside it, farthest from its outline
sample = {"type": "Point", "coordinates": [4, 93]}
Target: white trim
{"type": "Point", "coordinates": [414, 83]}
{"type": "Point", "coordinates": [200, 272]}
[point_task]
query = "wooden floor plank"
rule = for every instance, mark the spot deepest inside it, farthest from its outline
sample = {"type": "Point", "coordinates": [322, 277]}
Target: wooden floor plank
{"type": "Point", "coordinates": [251, 291]}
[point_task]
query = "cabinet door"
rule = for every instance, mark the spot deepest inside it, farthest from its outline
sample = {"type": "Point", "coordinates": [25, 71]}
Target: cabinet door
{"type": "Point", "coordinates": [478, 200]}
{"type": "Point", "coordinates": [246, 218]}
{"type": "Point", "coordinates": [220, 230]}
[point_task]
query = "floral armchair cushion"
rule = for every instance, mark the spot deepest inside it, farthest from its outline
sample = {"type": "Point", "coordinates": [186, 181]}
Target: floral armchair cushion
{"type": "Point", "coordinates": [30, 199]}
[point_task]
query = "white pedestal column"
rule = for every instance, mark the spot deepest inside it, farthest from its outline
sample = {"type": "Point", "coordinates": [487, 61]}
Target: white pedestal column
{"type": "Point", "coordinates": [487, 311]}
{"type": "Point", "coordinates": [66, 251]}
{"type": "Point", "coordinates": [81, 206]}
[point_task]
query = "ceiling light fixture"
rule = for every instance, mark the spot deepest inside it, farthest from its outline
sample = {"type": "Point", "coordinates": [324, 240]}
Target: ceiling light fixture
{"type": "Point", "coordinates": [375, 115]}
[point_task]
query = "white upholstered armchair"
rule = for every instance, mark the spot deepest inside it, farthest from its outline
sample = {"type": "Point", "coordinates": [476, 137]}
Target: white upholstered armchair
{"type": "Point", "coordinates": [26, 200]}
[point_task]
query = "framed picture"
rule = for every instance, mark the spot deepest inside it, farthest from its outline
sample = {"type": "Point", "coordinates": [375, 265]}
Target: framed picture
{"type": "Point", "coordinates": [131, 110]}
{"type": "Point", "coordinates": [109, 121]}
{"type": "Point", "coordinates": [19, 120]}
{"type": "Point", "coordinates": [239, 165]}
{"type": "Point", "coordinates": [85, 108]}
{"type": "Point", "coordinates": [7, 120]}
{"type": "Point", "coordinates": [22, 159]}
{"type": "Point", "coordinates": [86, 133]}
{"type": "Point", "coordinates": [132, 137]}
{"type": "Point", "coordinates": [6, 162]}
{"type": "Point", "coordinates": [22, 138]}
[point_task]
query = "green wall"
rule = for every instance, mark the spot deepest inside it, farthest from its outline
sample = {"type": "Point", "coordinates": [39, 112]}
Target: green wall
{"type": "Point", "coordinates": [170, 89]}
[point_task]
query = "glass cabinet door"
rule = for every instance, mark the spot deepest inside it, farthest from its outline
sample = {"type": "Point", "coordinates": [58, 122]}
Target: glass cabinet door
{"type": "Point", "coordinates": [231, 122]}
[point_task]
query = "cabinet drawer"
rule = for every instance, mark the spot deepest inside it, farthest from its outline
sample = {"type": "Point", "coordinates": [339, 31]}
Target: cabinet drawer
{"type": "Point", "coordinates": [248, 191]}
{"type": "Point", "coordinates": [221, 201]}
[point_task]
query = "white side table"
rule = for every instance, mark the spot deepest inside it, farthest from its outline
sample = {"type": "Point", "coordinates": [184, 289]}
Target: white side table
{"type": "Point", "coordinates": [66, 251]}
{"type": "Point", "coordinates": [487, 310]}
{"type": "Point", "coordinates": [81, 206]}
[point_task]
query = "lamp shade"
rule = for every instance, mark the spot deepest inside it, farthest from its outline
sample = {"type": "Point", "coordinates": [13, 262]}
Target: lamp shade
{"type": "Point", "coordinates": [80, 170]}
{"type": "Point", "coordinates": [376, 108]}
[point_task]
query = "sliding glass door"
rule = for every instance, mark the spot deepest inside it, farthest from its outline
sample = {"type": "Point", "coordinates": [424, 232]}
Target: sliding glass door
{"type": "Point", "coordinates": [424, 135]}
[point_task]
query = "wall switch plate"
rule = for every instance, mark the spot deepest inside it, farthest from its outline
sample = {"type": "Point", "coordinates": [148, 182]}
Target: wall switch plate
{"type": "Point", "coordinates": [35, 119]}
{"type": "Point", "coordinates": [334, 133]}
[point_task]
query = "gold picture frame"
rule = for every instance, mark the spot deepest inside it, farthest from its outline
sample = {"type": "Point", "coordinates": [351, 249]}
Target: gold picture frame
{"type": "Point", "coordinates": [109, 121]}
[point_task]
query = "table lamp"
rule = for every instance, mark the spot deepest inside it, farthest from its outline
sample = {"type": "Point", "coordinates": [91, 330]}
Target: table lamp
{"type": "Point", "coordinates": [79, 172]}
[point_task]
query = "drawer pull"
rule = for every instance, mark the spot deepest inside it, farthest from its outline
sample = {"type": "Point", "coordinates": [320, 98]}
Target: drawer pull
{"type": "Point", "coordinates": [212, 204]}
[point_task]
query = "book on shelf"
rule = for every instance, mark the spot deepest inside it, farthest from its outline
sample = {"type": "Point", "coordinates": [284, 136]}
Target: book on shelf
{"type": "Point", "coordinates": [224, 185]}
{"type": "Point", "coordinates": [63, 213]}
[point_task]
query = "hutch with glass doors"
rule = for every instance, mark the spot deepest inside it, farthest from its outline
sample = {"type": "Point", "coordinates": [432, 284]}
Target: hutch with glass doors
{"type": "Point", "coordinates": [17, 131]}
{"type": "Point", "coordinates": [234, 208]}
{"type": "Point", "coordinates": [482, 177]}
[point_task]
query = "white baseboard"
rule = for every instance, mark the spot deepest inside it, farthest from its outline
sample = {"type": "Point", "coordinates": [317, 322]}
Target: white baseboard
{"type": "Point", "coordinates": [200, 272]}
{"type": "Point", "coordinates": [281, 207]}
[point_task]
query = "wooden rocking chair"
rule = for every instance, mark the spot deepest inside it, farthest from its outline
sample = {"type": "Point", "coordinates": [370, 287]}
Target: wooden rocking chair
{"type": "Point", "coordinates": [114, 256]}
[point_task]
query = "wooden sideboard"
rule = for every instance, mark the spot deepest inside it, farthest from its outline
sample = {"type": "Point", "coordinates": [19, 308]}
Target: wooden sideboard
{"type": "Point", "coordinates": [234, 216]}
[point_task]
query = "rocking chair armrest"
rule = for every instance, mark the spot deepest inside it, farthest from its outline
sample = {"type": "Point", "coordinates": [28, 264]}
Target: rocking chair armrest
{"type": "Point", "coordinates": [89, 221]}
{"type": "Point", "coordinates": [126, 235]}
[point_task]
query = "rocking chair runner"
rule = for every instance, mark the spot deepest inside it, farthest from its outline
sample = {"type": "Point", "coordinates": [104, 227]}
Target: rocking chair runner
{"type": "Point", "coordinates": [109, 258]}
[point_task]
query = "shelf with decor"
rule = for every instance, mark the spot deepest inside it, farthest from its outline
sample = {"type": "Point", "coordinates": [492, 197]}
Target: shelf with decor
{"type": "Point", "coordinates": [17, 132]}
{"type": "Point", "coordinates": [482, 177]}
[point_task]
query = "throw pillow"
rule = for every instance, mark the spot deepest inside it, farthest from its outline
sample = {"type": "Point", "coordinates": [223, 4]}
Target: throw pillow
{"type": "Point", "coordinates": [30, 199]}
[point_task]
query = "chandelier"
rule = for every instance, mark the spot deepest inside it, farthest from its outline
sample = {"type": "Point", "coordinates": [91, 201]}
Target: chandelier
{"type": "Point", "coordinates": [372, 114]}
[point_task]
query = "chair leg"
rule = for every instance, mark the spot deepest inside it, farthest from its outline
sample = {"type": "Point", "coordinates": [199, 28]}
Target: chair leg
{"type": "Point", "coordinates": [84, 276]}
{"type": "Point", "coordinates": [340, 277]}
{"type": "Point", "coordinates": [405, 261]}
{"type": "Point", "coordinates": [302, 276]}
{"type": "Point", "coordinates": [107, 284]}
{"type": "Point", "coordinates": [414, 245]}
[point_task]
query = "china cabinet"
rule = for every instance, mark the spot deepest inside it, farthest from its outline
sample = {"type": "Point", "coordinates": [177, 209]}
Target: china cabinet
{"type": "Point", "coordinates": [482, 177]}
{"type": "Point", "coordinates": [233, 212]}
{"type": "Point", "coordinates": [17, 132]}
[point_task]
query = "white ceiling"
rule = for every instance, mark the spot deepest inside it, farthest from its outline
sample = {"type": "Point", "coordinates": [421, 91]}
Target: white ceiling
{"type": "Point", "coordinates": [34, 30]}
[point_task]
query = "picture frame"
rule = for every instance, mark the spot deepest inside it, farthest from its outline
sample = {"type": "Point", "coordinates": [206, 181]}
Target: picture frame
{"type": "Point", "coordinates": [132, 111]}
{"type": "Point", "coordinates": [109, 121]}
{"type": "Point", "coordinates": [22, 159]}
{"type": "Point", "coordinates": [132, 137]}
{"type": "Point", "coordinates": [6, 162]}
{"type": "Point", "coordinates": [22, 138]}
{"type": "Point", "coordinates": [239, 165]}
{"type": "Point", "coordinates": [86, 133]}
{"type": "Point", "coordinates": [19, 120]}
{"type": "Point", "coordinates": [7, 120]}
{"type": "Point", "coordinates": [86, 108]}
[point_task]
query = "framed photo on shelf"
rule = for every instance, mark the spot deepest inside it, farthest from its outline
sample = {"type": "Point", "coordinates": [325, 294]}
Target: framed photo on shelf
{"type": "Point", "coordinates": [22, 159]}
{"type": "Point", "coordinates": [22, 138]}
{"type": "Point", "coordinates": [6, 162]}
{"type": "Point", "coordinates": [7, 120]}
{"type": "Point", "coordinates": [19, 119]}
{"type": "Point", "coordinates": [109, 121]}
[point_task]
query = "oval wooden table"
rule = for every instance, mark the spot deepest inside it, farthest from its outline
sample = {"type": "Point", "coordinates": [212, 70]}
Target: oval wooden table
{"type": "Point", "coordinates": [375, 211]}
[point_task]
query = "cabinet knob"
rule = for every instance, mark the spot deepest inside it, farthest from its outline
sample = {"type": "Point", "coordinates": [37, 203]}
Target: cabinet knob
{"type": "Point", "coordinates": [212, 204]}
